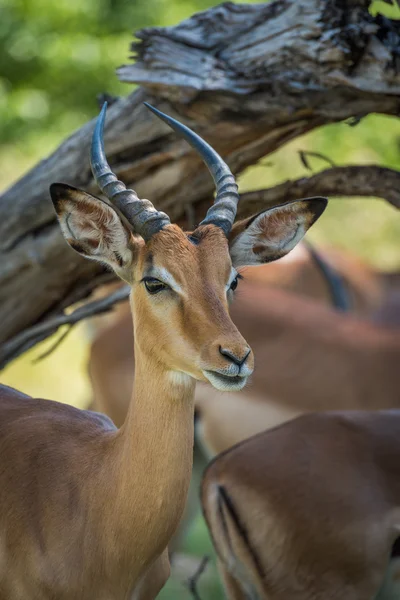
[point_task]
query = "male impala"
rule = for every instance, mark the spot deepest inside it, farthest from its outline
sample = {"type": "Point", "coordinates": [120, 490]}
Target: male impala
{"type": "Point", "coordinates": [86, 510]}
{"type": "Point", "coordinates": [309, 357]}
{"type": "Point", "coordinates": [310, 510]}
{"type": "Point", "coordinates": [326, 351]}
{"type": "Point", "coordinates": [354, 288]}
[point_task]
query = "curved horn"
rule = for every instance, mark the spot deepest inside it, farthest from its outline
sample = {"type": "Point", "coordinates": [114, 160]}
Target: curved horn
{"type": "Point", "coordinates": [141, 214]}
{"type": "Point", "coordinates": [223, 212]}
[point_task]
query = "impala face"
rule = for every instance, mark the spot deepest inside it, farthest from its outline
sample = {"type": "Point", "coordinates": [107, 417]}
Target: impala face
{"type": "Point", "coordinates": [181, 282]}
{"type": "Point", "coordinates": [182, 286]}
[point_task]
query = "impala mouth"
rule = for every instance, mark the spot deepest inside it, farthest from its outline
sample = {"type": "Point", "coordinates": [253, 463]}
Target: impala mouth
{"type": "Point", "coordinates": [226, 383]}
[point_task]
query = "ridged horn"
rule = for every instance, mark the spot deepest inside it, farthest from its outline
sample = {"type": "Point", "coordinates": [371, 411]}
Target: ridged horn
{"type": "Point", "coordinates": [223, 212]}
{"type": "Point", "coordinates": [141, 214]}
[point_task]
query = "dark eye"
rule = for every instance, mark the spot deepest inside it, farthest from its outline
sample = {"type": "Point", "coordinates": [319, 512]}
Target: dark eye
{"type": "Point", "coordinates": [234, 283]}
{"type": "Point", "coordinates": [154, 286]}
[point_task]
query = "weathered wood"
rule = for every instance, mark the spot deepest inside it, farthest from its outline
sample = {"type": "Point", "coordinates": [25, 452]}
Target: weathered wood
{"type": "Point", "coordinates": [349, 181]}
{"type": "Point", "coordinates": [246, 77]}
{"type": "Point", "coordinates": [339, 181]}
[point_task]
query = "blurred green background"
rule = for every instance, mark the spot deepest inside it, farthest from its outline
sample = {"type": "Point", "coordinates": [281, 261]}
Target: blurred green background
{"type": "Point", "coordinates": [55, 58]}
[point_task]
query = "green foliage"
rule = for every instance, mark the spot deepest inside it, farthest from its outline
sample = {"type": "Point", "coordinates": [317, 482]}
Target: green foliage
{"type": "Point", "coordinates": [55, 58]}
{"type": "Point", "coordinates": [389, 8]}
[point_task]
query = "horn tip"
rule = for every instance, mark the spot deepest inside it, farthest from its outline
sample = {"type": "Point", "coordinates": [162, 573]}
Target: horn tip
{"type": "Point", "coordinates": [152, 108]}
{"type": "Point", "coordinates": [101, 118]}
{"type": "Point", "coordinates": [102, 115]}
{"type": "Point", "coordinates": [168, 120]}
{"type": "Point", "coordinates": [99, 126]}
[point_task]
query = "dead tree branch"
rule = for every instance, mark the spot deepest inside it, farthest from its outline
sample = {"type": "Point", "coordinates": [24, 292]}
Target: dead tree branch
{"type": "Point", "coordinates": [364, 181]}
{"type": "Point", "coordinates": [350, 181]}
{"type": "Point", "coordinates": [248, 78]}
{"type": "Point", "coordinates": [33, 335]}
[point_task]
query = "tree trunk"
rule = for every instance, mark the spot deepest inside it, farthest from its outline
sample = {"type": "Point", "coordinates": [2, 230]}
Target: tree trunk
{"type": "Point", "coordinates": [248, 78]}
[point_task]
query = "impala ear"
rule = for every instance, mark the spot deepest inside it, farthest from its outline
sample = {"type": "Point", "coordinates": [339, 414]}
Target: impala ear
{"type": "Point", "coordinates": [94, 229]}
{"type": "Point", "coordinates": [271, 234]}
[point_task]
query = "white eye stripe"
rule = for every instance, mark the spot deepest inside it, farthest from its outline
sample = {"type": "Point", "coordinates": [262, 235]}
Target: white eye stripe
{"type": "Point", "coordinates": [232, 278]}
{"type": "Point", "coordinates": [165, 277]}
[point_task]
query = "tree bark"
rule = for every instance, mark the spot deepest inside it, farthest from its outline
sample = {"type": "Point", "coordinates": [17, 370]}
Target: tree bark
{"type": "Point", "coordinates": [248, 78]}
{"type": "Point", "coordinates": [342, 181]}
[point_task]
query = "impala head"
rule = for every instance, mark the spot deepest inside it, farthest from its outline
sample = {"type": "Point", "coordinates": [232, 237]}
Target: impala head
{"type": "Point", "coordinates": [181, 282]}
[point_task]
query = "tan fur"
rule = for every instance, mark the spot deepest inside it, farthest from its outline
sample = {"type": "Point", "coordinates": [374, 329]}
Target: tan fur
{"type": "Point", "coordinates": [87, 510]}
{"type": "Point", "coordinates": [304, 354]}
{"type": "Point", "coordinates": [271, 234]}
{"type": "Point", "coordinates": [185, 346]}
{"type": "Point", "coordinates": [310, 359]}
{"type": "Point", "coordinates": [309, 510]}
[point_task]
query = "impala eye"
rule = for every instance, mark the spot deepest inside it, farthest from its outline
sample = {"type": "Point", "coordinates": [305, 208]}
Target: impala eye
{"type": "Point", "coordinates": [154, 286]}
{"type": "Point", "coordinates": [235, 282]}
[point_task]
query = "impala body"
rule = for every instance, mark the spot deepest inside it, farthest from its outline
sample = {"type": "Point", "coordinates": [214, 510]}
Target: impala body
{"type": "Point", "coordinates": [310, 510]}
{"type": "Point", "coordinates": [87, 510]}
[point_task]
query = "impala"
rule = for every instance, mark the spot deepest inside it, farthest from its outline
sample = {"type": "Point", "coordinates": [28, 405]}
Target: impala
{"type": "Point", "coordinates": [312, 335]}
{"type": "Point", "coordinates": [309, 358]}
{"type": "Point", "coordinates": [352, 287]}
{"type": "Point", "coordinates": [87, 510]}
{"type": "Point", "coordinates": [310, 510]}
{"type": "Point", "coordinates": [335, 361]}
{"type": "Point", "coordinates": [329, 276]}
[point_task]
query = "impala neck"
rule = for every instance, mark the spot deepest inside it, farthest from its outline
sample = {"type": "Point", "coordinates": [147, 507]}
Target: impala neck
{"type": "Point", "coordinates": [155, 454]}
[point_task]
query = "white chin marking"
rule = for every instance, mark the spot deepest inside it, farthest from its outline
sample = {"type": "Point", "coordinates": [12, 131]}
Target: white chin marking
{"type": "Point", "coordinates": [224, 383]}
{"type": "Point", "coordinates": [180, 378]}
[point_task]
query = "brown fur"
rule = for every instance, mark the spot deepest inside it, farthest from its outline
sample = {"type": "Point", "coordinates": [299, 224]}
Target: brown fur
{"type": "Point", "coordinates": [310, 510]}
{"type": "Point", "coordinates": [186, 346]}
{"type": "Point", "coordinates": [86, 510]}
{"type": "Point", "coordinates": [96, 502]}
{"type": "Point", "coordinates": [289, 336]}
{"type": "Point", "coordinates": [318, 348]}
{"type": "Point", "coordinates": [309, 359]}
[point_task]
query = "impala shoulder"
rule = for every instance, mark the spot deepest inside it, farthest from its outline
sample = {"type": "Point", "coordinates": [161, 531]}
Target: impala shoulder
{"type": "Point", "coordinates": [9, 393]}
{"type": "Point", "coordinates": [24, 413]}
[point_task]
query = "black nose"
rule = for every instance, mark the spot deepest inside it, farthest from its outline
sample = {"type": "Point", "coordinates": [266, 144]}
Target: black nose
{"type": "Point", "coordinates": [232, 357]}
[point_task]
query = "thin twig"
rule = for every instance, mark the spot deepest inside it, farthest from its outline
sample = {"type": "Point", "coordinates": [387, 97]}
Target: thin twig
{"type": "Point", "coordinates": [28, 338]}
{"type": "Point", "coordinates": [192, 582]}
{"type": "Point", "coordinates": [53, 347]}
{"type": "Point", "coordinates": [354, 180]}
{"type": "Point", "coordinates": [305, 153]}
{"type": "Point", "coordinates": [353, 121]}
{"type": "Point", "coordinates": [266, 163]}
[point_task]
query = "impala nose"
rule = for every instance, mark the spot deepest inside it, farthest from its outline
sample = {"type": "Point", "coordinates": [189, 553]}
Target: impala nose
{"type": "Point", "coordinates": [231, 357]}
